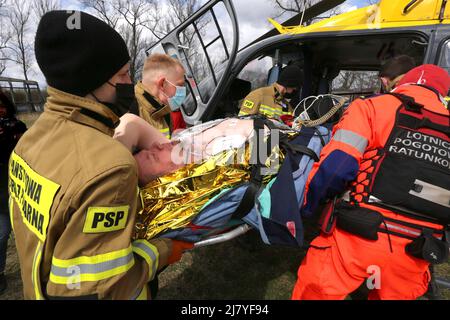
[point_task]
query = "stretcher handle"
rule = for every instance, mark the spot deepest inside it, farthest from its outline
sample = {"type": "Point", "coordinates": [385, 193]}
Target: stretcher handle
{"type": "Point", "coordinates": [236, 232]}
{"type": "Point", "coordinates": [443, 283]}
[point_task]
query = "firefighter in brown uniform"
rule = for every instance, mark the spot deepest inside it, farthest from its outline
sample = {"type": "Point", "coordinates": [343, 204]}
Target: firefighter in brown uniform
{"type": "Point", "coordinates": [73, 189]}
{"type": "Point", "coordinates": [161, 90]}
{"type": "Point", "coordinates": [272, 101]}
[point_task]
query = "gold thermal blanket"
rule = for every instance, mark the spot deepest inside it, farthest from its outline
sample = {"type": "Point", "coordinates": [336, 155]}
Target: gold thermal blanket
{"type": "Point", "coordinates": [172, 201]}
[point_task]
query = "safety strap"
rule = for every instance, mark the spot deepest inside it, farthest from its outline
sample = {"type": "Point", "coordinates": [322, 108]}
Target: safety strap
{"type": "Point", "coordinates": [152, 101]}
{"type": "Point", "coordinates": [320, 135]}
{"type": "Point", "coordinates": [295, 148]}
{"type": "Point", "coordinates": [416, 123]}
{"type": "Point", "coordinates": [409, 102]}
{"type": "Point", "coordinates": [248, 200]}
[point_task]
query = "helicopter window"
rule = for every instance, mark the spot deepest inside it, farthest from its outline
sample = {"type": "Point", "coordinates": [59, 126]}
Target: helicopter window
{"type": "Point", "coordinates": [256, 71]}
{"type": "Point", "coordinates": [352, 84]}
{"type": "Point", "coordinates": [444, 60]}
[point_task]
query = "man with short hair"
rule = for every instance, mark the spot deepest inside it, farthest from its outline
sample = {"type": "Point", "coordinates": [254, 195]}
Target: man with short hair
{"type": "Point", "coordinates": [73, 189]}
{"type": "Point", "coordinates": [273, 101]}
{"type": "Point", "coordinates": [393, 70]}
{"type": "Point", "coordinates": [389, 154]}
{"type": "Point", "coordinates": [161, 93]}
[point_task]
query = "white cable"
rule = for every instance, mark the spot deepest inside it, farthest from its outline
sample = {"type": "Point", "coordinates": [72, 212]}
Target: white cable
{"type": "Point", "coordinates": [338, 102]}
{"type": "Point", "coordinates": [304, 102]}
{"type": "Point", "coordinates": [296, 121]}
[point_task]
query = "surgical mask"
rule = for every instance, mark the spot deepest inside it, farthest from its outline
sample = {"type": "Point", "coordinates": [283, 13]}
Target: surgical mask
{"type": "Point", "coordinates": [176, 101]}
{"type": "Point", "coordinates": [125, 100]}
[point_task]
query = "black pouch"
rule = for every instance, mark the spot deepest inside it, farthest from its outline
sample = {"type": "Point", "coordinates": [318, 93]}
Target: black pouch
{"type": "Point", "coordinates": [359, 221]}
{"type": "Point", "coordinates": [428, 248]}
{"type": "Point", "coordinates": [327, 221]}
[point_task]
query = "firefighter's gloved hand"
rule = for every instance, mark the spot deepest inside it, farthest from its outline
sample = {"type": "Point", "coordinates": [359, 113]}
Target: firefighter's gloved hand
{"type": "Point", "coordinates": [178, 248]}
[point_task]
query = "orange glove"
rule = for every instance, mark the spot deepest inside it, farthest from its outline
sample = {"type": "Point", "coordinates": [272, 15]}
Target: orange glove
{"type": "Point", "coordinates": [178, 248]}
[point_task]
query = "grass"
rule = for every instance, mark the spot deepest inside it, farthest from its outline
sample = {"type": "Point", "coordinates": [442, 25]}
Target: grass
{"type": "Point", "coordinates": [243, 268]}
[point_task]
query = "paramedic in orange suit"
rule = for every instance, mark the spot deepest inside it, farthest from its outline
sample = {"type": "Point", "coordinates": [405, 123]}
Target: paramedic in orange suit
{"type": "Point", "coordinates": [389, 153]}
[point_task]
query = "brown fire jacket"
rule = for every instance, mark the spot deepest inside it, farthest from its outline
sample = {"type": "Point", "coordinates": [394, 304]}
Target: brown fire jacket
{"type": "Point", "coordinates": [266, 101]}
{"type": "Point", "coordinates": [73, 202]}
{"type": "Point", "coordinates": [152, 112]}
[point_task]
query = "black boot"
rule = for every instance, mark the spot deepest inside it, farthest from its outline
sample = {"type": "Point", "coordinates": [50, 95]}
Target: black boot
{"type": "Point", "coordinates": [3, 283]}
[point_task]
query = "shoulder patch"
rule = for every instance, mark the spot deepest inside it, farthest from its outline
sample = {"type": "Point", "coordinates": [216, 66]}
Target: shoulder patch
{"type": "Point", "coordinates": [248, 104]}
{"type": "Point", "coordinates": [105, 219]}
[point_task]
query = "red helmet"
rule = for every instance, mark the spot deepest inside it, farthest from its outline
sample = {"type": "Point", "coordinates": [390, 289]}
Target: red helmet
{"type": "Point", "coordinates": [428, 75]}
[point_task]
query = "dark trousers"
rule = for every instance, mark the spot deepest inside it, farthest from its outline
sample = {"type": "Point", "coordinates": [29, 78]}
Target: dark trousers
{"type": "Point", "coordinates": [5, 230]}
{"type": "Point", "coordinates": [5, 223]}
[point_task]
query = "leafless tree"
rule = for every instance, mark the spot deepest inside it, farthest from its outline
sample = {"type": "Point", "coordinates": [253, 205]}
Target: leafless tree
{"type": "Point", "coordinates": [143, 22]}
{"type": "Point", "coordinates": [41, 7]}
{"type": "Point", "coordinates": [135, 17]}
{"type": "Point", "coordinates": [2, 7]}
{"type": "Point", "coordinates": [298, 6]}
{"type": "Point", "coordinates": [103, 10]}
{"type": "Point", "coordinates": [19, 48]}
{"type": "Point", "coordinates": [356, 81]}
{"type": "Point", "coordinates": [130, 18]}
{"type": "Point", "coordinates": [293, 7]}
{"type": "Point", "coordinates": [177, 13]}
{"type": "Point", "coordinates": [5, 36]}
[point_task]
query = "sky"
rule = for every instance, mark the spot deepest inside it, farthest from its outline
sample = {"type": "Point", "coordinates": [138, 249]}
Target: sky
{"type": "Point", "coordinates": [252, 17]}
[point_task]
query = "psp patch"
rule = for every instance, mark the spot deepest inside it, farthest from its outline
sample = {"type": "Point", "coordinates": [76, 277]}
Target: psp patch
{"type": "Point", "coordinates": [105, 219]}
{"type": "Point", "coordinates": [248, 104]}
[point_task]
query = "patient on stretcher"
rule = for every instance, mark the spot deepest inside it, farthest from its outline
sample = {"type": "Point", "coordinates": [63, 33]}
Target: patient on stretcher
{"type": "Point", "coordinates": [157, 156]}
{"type": "Point", "coordinates": [194, 184]}
{"type": "Point", "coordinates": [179, 177]}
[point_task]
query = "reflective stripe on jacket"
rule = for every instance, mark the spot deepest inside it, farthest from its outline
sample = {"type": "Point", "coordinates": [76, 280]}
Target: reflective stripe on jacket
{"type": "Point", "coordinates": [74, 199]}
{"type": "Point", "coordinates": [264, 101]}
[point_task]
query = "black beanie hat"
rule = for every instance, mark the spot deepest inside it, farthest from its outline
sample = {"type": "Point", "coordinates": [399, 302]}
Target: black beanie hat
{"type": "Point", "coordinates": [291, 77]}
{"type": "Point", "coordinates": [81, 59]}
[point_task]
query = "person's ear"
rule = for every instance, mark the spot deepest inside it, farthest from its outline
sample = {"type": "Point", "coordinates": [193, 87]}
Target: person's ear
{"type": "Point", "coordinates": [385, 83]}
{"type": "Point", "coordinates": [160, 82]}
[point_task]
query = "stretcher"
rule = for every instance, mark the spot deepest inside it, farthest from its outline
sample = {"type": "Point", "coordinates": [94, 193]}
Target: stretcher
{"type": "Point", "coordinates": [244, 199]}
{"type": "Point", "coordinates": [270, 204]}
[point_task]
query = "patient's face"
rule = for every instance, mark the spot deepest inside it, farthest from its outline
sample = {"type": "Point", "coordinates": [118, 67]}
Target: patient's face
{"type": "Point", "coordinates": [155, 162]}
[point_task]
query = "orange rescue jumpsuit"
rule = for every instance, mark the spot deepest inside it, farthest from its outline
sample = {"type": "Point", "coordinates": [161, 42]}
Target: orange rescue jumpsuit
{"type": "Point", "coordinates": [338, 264]}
